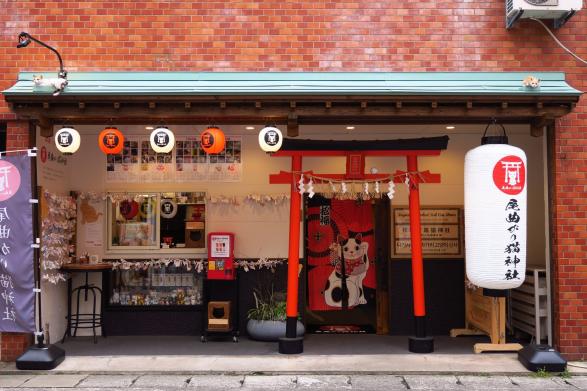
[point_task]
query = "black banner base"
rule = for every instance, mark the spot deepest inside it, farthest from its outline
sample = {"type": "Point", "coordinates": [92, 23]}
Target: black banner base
{"type": "Point", "coordinates": [291, 345]}
{"type": "Point", "coordinates": [421, 344]}
{"type": "Point", "coordinates": [40, 358]}
{"type": "Point", "coordinates": [541, 357]}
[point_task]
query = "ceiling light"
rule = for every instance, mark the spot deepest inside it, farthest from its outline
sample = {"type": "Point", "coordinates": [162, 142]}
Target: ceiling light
{"type": "Point", "coordinates": [450, 127]}
{"type": "Point", "coordinates": [350, 128]}
{"type": "Point", "coordinates": [250, 128]}
{"type": "Point", "coordinates": [149, 127]}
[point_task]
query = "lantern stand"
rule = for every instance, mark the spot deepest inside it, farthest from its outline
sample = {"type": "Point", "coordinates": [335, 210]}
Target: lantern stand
{"type": "Point", "coordinates": [24, 39]}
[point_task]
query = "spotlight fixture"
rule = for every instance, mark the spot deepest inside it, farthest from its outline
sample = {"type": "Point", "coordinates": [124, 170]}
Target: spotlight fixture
{"type": "Point", "coordinates": [24, 40]}
{"type": "Point", "coordinates": [450, 127]}
{"type": "Point", "coordinates": [350, 128]}
{"type": "Point", "coordinates": [149, 127]}
{"type": "Point", "coordinates": [250, 128]}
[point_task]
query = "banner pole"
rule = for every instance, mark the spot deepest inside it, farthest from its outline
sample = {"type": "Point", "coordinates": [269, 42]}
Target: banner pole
{"type": "Point", "coordinates": [40, 356]}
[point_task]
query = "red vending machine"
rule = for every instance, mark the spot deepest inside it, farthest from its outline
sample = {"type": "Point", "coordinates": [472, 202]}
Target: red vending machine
{"type": "Point", "coordinates": [221, 256]}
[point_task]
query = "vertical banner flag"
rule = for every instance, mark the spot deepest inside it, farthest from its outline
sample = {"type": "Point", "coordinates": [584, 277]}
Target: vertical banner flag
{"type": "Point", "coordinates": [17, 300]}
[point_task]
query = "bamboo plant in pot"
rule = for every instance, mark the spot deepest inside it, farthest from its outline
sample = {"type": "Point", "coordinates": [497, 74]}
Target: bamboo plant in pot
{"type": "Point", "coordinates": [267, 320]}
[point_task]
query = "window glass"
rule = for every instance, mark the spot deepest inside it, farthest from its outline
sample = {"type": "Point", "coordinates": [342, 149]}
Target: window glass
{"type": "Point", "coordinates": [183, 220]}
{"type": "Point", "coordinates": [134, 222]}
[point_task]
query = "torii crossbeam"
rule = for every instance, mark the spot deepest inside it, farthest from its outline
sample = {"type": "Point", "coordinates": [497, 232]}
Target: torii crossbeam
{"type": "Point", "coordinates": [355, 152]}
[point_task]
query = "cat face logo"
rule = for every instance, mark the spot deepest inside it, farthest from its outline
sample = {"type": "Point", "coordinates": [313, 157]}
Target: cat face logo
{"type": "Point", "coordinates": [272, 138]}
{"type": "Point", "coordinates": [111, 140]}
{"type": "Point", "coordinates": [161, 139]}
{"type": "Point", "coordinates": [65, 139]}
{"type": "Point", "coordinates": [207, 140]}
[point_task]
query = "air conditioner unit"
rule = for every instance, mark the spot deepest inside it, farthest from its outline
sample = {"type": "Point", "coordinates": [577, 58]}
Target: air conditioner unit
{"type": "Point", "coordinates": [559, 10]}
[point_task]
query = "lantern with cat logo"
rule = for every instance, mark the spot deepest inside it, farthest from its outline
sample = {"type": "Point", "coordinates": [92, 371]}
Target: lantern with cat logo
{"type": "Point", "coordinates": [111, 140]}
{"type": "Point", "coordinates": [495, 216]}
{"type": "Point", "coordinates": [270, 139]}
{"type": "Point", "coordinates": [213, 140]}
{"type": "Point", "coordinates": [162, 140]}
{"type": "Point", "coordinates": [67, 140]}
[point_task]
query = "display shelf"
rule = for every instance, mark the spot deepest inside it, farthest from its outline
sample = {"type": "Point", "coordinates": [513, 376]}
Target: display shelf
{"type": "Point", "coordinates": [530, 305]}
{"type": "Point", "coordinates": [140, 308]}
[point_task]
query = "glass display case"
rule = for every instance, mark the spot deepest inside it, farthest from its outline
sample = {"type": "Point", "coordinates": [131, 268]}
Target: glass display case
{"type": "Point", "coordinates": [172, 220]}
{"type": "Point", "coordinates": [155, 286]}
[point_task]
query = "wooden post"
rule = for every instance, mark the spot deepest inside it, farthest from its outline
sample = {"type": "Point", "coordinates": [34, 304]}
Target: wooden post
{"type": "Point", "coordinates": [291, 344]}
{"type": "Point", "coordinates": [420, 343]}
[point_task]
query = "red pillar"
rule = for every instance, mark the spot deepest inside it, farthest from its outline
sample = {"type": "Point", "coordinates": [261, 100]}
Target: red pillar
{"type": "Point", "coordinates": [420, 343]}
{"type": "Point", "coordinates": [291, 344]}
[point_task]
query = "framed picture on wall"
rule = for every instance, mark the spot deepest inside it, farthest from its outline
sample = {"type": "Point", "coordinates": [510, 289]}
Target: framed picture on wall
{"type": "Point", "coordinates": [442, 232]}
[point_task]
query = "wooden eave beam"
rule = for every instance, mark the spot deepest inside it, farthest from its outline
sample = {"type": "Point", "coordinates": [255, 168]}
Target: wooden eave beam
{"type": "Point", "coordinates": [280, 112]}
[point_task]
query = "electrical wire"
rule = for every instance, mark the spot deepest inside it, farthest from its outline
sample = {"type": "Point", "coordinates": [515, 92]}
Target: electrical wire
{"type": "Point", "coordinates": [559, 42]}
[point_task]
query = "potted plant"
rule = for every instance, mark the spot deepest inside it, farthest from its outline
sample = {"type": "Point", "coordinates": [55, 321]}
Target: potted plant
{"type": "Point", "coordinates": [267, 320]}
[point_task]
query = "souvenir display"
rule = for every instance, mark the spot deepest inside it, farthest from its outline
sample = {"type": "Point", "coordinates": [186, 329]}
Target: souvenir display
{"type": "Point", "coordinates": [168, 285]}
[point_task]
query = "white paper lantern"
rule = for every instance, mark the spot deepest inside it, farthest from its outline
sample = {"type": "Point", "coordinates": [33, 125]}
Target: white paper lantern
{"type": "Point", "coordinates": [162, 140]}
{"type": "Point", "coordinates": [495, 216]}
{"type": "Point", "coordinates": [67, 140]}
{"type": "Point", "coordinates": [270, 139]}
{"type": "Point", "coordinates": [168, 209]}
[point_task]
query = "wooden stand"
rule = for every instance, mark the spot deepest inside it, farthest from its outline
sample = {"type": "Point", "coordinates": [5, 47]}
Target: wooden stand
{"type": "Point", "coordinates": [485, 315]}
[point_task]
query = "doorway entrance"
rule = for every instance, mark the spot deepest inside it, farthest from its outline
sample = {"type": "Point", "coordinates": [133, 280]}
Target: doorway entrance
{"type": "Point", "coordinates": [345, 252]}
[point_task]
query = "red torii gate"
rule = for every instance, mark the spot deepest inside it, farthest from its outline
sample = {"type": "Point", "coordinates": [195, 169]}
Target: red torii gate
{"type": "Point", "coordinates": [355, 153]}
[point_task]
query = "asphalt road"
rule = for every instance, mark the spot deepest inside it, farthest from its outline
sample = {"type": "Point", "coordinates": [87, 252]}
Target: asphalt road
{"type": "Point", "coordinates": [150, 382]}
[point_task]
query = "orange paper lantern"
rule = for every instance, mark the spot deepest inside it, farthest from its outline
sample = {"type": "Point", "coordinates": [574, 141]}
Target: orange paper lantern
{"type": "Point", "coordinates": [111, 140]}
{"type": "Point", "coordinates": [213, 140]}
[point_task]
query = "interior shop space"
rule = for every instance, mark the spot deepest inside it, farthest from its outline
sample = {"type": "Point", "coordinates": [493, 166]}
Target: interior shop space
{"type": "Point", "coordinates": [193, 245]}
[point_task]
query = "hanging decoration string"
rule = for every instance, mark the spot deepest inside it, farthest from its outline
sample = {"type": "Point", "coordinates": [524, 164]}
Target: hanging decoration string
{"type": "Point", "coordinates": [353, 188]}
{"type": "Point", "coordinates": [198, 265]}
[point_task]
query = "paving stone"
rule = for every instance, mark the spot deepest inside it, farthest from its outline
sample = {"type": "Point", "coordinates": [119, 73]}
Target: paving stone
{"type": "Point", "coordinates": [52, 381]}
{"type": "Point", "coordinates": [433, 382]}
{"type": "Point", "coordinates": [578, 381]}
{"type": "Point", "coordinates": [540, 383]}
{"type": "Point", "coordinates": [148, 381]}
{"type": "Point", "coordinates": [108, 381]}
{"type": "Point", "coordinates": [377, 382]}
{"type": "Point", "coordinates": [486, 382]}
{"type": "Point", "coordinates": [13, 380]}
{"type": "Point", "coordinates": [270, 382]}
{"type": "Point", "coordinates": [324, 382]}
{"type": "Point", "coordinates": [208, 382]}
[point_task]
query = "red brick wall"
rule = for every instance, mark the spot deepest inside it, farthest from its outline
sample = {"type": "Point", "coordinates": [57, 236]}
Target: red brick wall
{"type": "Point", "coordinates": [13, 345]}
{"type": "Point", "coordinates": [336, 35]}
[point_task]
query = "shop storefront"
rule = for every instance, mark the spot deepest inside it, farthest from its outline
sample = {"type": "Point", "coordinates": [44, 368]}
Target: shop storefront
{"type": "Point", "coordinates": [388, 140]}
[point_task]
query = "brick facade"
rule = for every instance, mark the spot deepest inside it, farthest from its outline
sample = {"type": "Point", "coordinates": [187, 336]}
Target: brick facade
{"type": "Point", "coordinates": [343, 35]}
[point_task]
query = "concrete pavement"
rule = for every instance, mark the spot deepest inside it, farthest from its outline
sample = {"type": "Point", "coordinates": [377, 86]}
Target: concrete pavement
{"type": "Point", "coordinates": [151, 382]}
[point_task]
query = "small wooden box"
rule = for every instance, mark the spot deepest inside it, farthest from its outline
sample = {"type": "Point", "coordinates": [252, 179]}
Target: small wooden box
{"type": "Point", "coordinates": [219, 315]}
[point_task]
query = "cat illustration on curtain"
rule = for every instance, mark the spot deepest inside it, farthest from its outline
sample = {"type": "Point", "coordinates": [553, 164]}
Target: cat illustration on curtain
{"type": "Point", "coordinates": [356, 263]}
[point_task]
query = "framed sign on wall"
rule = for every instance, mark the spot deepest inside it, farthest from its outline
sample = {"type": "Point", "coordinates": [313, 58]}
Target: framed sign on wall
{"type": "Point", "coordinates": [442, 232]}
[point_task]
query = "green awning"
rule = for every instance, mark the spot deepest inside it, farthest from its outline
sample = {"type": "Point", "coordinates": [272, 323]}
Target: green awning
{"type": "Point", "coordinates": [297, 84]}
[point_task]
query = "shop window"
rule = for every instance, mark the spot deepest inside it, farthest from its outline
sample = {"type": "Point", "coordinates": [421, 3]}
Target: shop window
{"type": "Point", "coordinates": [182, 223]}
{"type": "Point", "coordinates": [155, 286]}
{"type": "Point", "coordinates": [165, 221]}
